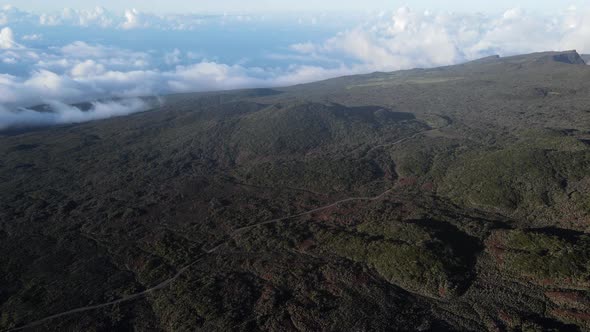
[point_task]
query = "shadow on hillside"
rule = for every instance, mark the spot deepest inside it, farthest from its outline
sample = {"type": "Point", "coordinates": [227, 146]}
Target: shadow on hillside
{"type": "Point", "coordinates": [370, 112]}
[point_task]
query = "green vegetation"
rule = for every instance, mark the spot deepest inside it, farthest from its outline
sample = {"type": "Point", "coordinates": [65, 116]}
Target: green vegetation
{"type": "Point", "coordinates": [533, 177]}
{"type": "Point", "coordinates": [544, 258]}
{"type": "Point", "coordinates": [317, 174]}
{"type": "Point", "coordinates": [405, 254]}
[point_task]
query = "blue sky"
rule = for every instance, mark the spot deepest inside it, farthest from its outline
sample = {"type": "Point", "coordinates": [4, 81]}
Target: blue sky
{"type": "Point", "coordinates": [160, 6]}
{"type": "Point", "coordinates": [50, 54]}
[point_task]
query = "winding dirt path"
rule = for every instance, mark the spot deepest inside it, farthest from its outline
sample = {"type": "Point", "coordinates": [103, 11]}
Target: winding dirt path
{"type": "Point", "coordinates": [180, 272]}
{"type": "Point", "coordinates": [235, 232]}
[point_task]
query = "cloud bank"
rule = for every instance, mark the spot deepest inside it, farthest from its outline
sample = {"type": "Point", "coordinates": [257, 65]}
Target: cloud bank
{"type": "Point", "coordinates": [409, 39]}
{"type": "Point", "coordinates": [130, 18]}
{"type": "Point", "coordinates": [59, 113]}
{"type": "Point", "coordinates": [387, 41]}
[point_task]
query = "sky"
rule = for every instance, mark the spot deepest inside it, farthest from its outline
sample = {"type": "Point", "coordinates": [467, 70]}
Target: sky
{"type": "Point", "coordinates": [159, 6]}
{"type": "Point", "coordinates": [61, 52]}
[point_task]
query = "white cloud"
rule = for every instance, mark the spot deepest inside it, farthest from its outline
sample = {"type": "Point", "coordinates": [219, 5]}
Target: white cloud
{"type": "Point", "coordinates": [7, 39]}
{"type": "Point", "coordinates": [405, 40]}
{"type": "Point", "coordinates": [88, 68]}
{"type": "Point", "coordinates": [133, 19]}
{"type": "Point", "coordinates": [577, 24]}
{"type": "Point", "coordinates": [112, 57]}
{"type": "Point", "coordinates": [80, 49]}
{"type": "Point", "coordinates": [128, 19]}
{"type": "Point", "coordinates": [307, 47]}
{"type": "Point", "coordinates": [409, 39]}
{"type": "Point", "coordinates": [50, 20]}
{"type": "Point", "coordinates": [33, 37]}
{"type": "Point", "coordinates": [61, 113]}
{"type": "Point", "coordinates": [72, 80]}
{"type": "Point", "coordinates": [97, 16]}
{"type": "Point", "coordinates": [173, 57]}
{"type": "Point", "coordinates": [51, 85]}
{"type": "Point", "coordinates": [10, 14]}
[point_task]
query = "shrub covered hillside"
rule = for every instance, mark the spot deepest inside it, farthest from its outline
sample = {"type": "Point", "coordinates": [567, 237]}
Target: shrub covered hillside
{"type": "Point", "coordinates": [446, 199]}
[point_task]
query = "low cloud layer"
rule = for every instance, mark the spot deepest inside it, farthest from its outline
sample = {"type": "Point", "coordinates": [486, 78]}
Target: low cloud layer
{"type": "Point", "coordinates": [130, 18]}
{"type": "Point", "coordinates": [409, 39]}
{"type": "Point", "coordinates": [59, 113]}
{"type": "Point", "coordinates": [387, 41]}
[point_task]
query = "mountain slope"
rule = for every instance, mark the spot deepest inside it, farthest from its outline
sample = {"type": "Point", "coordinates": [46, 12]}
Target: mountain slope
{"type": "Point", "coordinates": [452, 198]}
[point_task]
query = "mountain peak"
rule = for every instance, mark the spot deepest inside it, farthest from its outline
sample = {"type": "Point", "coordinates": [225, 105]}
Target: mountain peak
{"type": "Point", "coordinates": [570, 57]}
